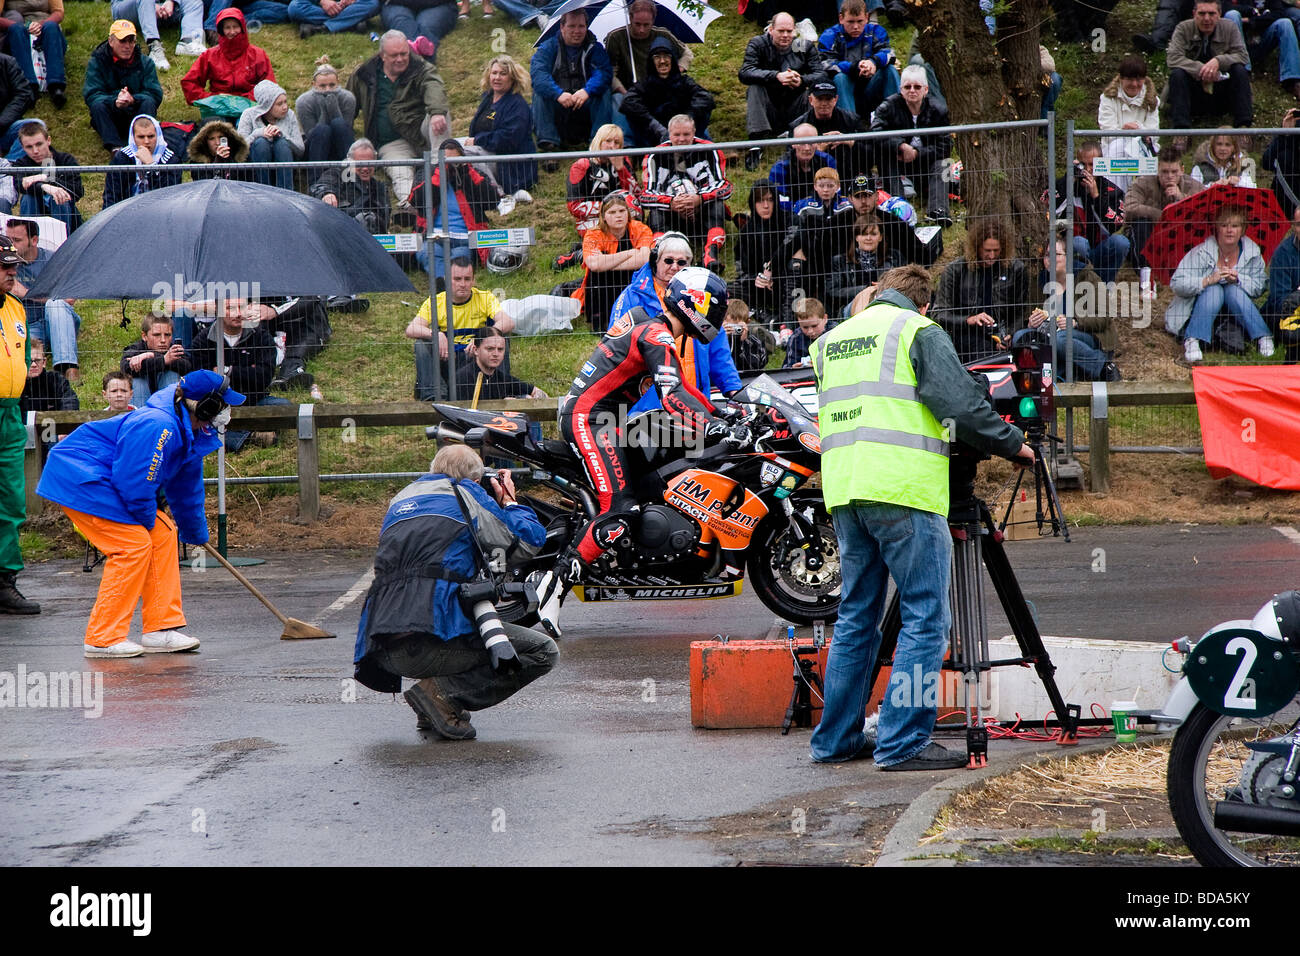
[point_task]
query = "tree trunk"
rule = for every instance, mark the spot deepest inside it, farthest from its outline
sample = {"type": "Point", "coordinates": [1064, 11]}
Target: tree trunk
{"type": "Point", "coordinates": [993, 79]}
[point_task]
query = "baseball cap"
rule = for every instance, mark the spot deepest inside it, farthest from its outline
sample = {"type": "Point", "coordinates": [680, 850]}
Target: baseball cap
{"type": "Point", "coordinates": [863, 184]}
{"type": "Point", "coordinates": [824, 89]}
{"type": "Point", "coordinates": [8, 254]}
{"type": "Point", "coordinates": [121, 29]}
{"type": "Point", "coordinates": [203, 383]}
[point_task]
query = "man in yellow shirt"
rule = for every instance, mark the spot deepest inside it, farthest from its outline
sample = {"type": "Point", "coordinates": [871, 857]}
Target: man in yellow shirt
{"type": "Point", "coordinates": [471, 309]}
{"type": "Point", "coordinates": [15, 355]}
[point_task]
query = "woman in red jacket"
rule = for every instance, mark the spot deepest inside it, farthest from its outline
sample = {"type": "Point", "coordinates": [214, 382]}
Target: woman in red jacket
{"type": "Point", "coordinates": [232, 66]}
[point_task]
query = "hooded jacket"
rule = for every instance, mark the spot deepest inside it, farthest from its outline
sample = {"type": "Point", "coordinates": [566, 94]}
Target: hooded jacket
{"type": "Point", "coordinates": [315, 107]}
{"type": "Point", "coordinates": [760, 240]}
{"type": "Point", "coordinates": [419, 93]}
{"type": "Point", "coordinates": [653, 100]}
{"type": "Point", "coordinates": [473, 194]}
{"type": "Point", "coordinates": [106, 75]}
{"type": "Point", "coordinates": [200, 153]}
{"type": "Point", "coordinates": [232, 66]}
{"type": "Point", "coordinates": [162, 172]}
{"type": "Point", "coordinates": [114, 468]}
{"type": "Point", "coordinates": [253, 121]}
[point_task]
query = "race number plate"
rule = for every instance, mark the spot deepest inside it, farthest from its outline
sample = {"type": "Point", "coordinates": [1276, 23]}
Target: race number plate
{"type": "Point", "coordinates": [1241, 673]}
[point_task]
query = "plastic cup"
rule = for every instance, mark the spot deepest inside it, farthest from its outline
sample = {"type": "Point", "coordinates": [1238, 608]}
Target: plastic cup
{"type": "Point", "coordinates": [1125, 721]}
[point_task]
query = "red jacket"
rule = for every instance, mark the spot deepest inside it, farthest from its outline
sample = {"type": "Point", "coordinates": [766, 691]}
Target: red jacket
{"type": "Point", "coordinates": [232, 66]}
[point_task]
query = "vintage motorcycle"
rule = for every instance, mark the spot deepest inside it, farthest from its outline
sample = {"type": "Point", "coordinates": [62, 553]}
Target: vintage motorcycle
{"type": "Point", "coordinates": [1234, 765]}
{"type": "Point", "coordinates": [704, 520]}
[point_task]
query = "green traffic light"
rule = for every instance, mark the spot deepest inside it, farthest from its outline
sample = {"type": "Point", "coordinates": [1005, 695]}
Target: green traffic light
{"type": "Point", "coordinates": [1028, 408]}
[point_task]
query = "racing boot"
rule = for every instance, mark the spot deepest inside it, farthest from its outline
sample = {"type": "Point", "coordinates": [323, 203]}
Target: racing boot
{"type": "Point", "coordinates": [11, 599]}
{"type": "Point", "coordinates": [552, 589]}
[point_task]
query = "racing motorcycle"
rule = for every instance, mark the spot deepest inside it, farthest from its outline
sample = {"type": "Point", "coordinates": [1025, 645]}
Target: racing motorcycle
{"type": "Point", "coordinates": [704, 520]}
{"type": "Point", "coordinates": [1233, 767]}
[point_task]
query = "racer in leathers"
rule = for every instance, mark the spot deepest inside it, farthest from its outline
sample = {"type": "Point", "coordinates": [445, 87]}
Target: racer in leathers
{"type": "Point", "coordinates": [637, 353]}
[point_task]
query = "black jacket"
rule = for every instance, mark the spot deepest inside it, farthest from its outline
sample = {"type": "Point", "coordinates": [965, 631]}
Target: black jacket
{"type": "Point", "coordinates": [763, 61]}
{"type": "Point", "coordinates": [894, 114]}
{"type": "Point", "coordinates": [154, 365]}
{"type": "Point", "coordinates": [356, 197]}
{"type": "Point", "coordinates": [69, 180]}
{"type": "Point", "coordinates": [959, 296]}
{"type": "Point", "coordinates": [251, 359]}
{"type": "Point", "coordinates": [652, 102]}
{"type": "Point", "coordinates": [16, 96]}
{"type": "Point", "coordinates": [849, 277]}
{"type": "Point", "coordinates": [1094, 219]}
{"type": "Point", "coordinates": [759, 242]}
{"type": "Point", "coordinates": [48, 392]}
{"type": "Point", "coordinates": [1282, 159]}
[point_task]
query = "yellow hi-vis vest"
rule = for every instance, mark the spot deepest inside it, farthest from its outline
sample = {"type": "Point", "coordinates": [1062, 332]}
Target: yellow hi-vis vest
{"type": "Point", "coordinates": [879, 441]}
{"type": "Point", "coordinates": [13, 349]}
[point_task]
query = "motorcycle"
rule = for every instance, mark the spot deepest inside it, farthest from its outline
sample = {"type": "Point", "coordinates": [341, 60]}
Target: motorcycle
{"type": "Point", "coordinates": [1235, 759]}
{"type": "Point", "coordinates": [704, 519]}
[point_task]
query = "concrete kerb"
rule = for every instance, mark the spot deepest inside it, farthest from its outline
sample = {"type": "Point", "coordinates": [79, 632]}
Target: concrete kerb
{"type": "Point", "coordinates": [903, 846]}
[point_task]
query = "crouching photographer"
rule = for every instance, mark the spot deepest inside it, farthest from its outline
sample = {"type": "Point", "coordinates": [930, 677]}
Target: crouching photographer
{"type": "Point", "coordinates": [428, 614]}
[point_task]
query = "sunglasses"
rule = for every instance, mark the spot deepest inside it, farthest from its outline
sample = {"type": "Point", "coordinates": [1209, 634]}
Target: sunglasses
{"type": "Point", "coordinates": [677, 262]}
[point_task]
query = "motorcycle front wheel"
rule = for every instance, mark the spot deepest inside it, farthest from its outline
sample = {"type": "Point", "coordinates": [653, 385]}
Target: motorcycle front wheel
{"type": "Point", "coordinates": [779, 571]}
{"type": "Point", "coordinates": [1209, 762]}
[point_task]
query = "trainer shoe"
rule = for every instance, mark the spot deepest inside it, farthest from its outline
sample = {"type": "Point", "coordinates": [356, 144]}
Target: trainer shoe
{"type": "Point", "coordinates": [191, 47]}
{"type": "Point", "coordinates": [122, 648]}
{"type": "Point", "coordinates": [933, 757]}
{"type": "Point", "coordinates": [1265, 346]}
{"type": "Point", "coordinates": [1192, 350]}
{"type": "Point", "coordinates": [159, 55]}
{"type": "Point", "coordinates": [167, 642]}
{"type": "Point", "coordinates": [445, 719]}
{"type": "Point", "coordinates": [523, 195]}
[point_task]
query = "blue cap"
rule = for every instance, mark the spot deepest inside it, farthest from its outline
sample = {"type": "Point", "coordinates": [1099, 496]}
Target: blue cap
{"type": "Point", "coordinates": [203, 383]}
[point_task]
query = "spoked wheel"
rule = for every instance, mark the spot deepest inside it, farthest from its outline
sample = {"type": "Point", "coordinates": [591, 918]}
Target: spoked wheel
{"type": "Point", "coordinates": [1210, 762]}
{"type": "Point", "coordinates": [783, 576]}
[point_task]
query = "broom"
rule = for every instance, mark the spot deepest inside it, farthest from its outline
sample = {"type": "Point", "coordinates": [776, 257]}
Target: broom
{"type": "Point", "coordinates": [294, 629]}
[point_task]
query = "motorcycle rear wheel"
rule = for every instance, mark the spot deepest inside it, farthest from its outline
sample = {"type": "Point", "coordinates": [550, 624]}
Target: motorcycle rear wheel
{"type": "Point", "coordinates": [781, 578]}
{"type": "Point", "coordinates": [1206, 764]}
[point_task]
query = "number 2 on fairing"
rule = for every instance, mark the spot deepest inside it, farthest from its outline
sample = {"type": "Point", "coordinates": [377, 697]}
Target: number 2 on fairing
{"type": "Point", "coordinates": [1232, 698]}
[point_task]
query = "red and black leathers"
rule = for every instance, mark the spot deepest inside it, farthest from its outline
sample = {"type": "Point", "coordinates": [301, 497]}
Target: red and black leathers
{"type": "Point", "coordinates": [637, 353]}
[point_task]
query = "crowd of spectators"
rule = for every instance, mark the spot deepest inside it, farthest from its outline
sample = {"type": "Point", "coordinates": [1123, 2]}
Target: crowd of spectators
{"type": "Point", "coordinates": [799, 246]}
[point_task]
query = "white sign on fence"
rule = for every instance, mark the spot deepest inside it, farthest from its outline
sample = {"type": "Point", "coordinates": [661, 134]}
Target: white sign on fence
{"type": "Point", "coordinates": [492, 238]}
{"type": "Point", "coordinates": [399, 242]}
{"type": "Point", "coordinates": [1123, 166]}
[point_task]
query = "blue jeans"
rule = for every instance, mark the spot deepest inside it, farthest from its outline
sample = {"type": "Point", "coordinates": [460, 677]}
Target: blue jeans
{"type": "Point", "coordinates": [877, 541]}
{"type": "Point", "coordinates": [51, 43]}
{"type": "Point", "coordinates": [1088, 356]}
{"type": "Point", "coordinates": [548, 114]}
{"type": "Point", "coordinates": [264, 150]}
{"type": "Point", "coordinates": [304, 11]}
{"type": "Point", "coordinates": [422, 254]}
{"type": "Point", "coordinates": [235, 439]}
{"type": "Point", "coordinates": [883, 83]}
{"type": "Point", "coordinates": [526, 12]}
{"type": "Point", "coordinates": [261, 11]}
{"type": "Point", "coordinates": [1281, 34]}
{"type": "Point", "coordinates": [140, 390]}
{"type": "Point", "coordinates": [328, 142]}
{"type": "Point", "coordinates": [1106, 256]}
{"type": "Point", "coordinates": [434, 23]}
{"type": "Point", "coordinates": [43, 205]}
{"type": "Point", "coordinates": [57, 325]}
{"type": "Point", "coordinates": [143, 14]}
{"type": "Point", "coordinates": [1050, 94]}
{"type": "Point", "coordinates": [1220, 296]}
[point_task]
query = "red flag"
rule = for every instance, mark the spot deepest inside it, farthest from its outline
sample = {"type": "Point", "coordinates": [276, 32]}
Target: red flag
{"type": "Point", "coordinates": [1250, 422]}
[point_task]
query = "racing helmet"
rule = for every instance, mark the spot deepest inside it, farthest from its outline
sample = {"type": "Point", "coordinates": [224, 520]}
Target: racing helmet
{"type": "Point", "coordinates": [504, 260]}
{"type": "Point", "coordinates": [697, 298]}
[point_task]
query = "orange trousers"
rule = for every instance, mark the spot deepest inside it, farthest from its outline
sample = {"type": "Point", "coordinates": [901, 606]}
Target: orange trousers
{"type": "Point", "coordinates": [137, 564]}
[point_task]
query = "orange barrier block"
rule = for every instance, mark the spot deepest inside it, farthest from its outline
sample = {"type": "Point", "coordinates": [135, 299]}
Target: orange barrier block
{"type": "Point", "coordinates": [745, 683]}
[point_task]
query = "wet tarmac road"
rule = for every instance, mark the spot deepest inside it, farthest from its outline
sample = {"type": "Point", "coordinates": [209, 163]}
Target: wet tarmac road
{"type": "Point", "coordinates": [254, 752]}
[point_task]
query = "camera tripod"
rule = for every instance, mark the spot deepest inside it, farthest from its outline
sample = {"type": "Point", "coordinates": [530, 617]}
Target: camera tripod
{"type": "Point", "coordinates": [978, 544]}
{"type": "Point", "coordinates": [1037, 438]}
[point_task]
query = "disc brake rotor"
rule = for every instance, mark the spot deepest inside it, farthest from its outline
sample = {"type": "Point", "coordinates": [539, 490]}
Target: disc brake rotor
{"type": "Point", "coordinates": [791, 565]}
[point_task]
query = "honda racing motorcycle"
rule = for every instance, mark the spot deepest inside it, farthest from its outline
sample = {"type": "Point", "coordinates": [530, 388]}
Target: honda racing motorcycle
{"type": "Point", "coordinates": [705, 519]}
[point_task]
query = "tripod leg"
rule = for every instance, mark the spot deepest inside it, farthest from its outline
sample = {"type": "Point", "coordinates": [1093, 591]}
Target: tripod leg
{"type": "Point", "coordinates": [1054, 503]}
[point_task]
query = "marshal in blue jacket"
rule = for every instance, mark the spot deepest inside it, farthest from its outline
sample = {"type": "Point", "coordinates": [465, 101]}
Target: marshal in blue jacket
{"type": "Point", "coordinates": [114, 468]}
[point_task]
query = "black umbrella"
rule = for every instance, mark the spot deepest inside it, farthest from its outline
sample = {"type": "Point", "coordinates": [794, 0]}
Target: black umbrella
{"type": "Point", "coordinates": [219, 234]}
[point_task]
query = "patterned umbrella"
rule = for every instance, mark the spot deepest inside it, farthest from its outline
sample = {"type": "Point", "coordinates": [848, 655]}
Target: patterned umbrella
{"type": "Point", "coordinates": [1189, 222]}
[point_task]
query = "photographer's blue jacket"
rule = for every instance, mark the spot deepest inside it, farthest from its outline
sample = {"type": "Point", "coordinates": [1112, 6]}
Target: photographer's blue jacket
{"type": "Point", "coordinates": [424, 555]}
{"type": "Point", "coordinates": [114, 468]}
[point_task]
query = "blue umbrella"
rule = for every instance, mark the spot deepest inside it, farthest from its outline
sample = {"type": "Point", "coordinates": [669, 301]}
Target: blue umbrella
{"type": "Point", "coordinates": [219, 234]}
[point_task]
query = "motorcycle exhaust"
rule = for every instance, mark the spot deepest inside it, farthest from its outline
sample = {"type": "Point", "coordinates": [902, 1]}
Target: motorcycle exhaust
{"type": "Point", "coordinates": [444, 432]}
{"type": "Point", "coordinates": [1253, 818]}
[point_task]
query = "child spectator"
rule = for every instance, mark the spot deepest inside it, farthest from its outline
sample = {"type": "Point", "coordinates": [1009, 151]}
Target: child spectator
{"type": "Point", "coordinates": [117, 392]}
{"type": "Point", "coordinates": [750, 343]}
{"type": "Point", "coordinates": [271, 129]}
{"type": "Point", "coordinates": [1221, 159]}
{"type": "Point", "coordinates": [812, 323]}
{"type": "Point", "coordinates": [153, 361]}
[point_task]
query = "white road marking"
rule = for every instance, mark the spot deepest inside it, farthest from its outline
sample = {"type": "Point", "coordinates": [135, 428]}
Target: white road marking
{"type": "Point", "coordinates": [348, 596]}
{"type": "Point", "coordinates": [1288, 532]}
